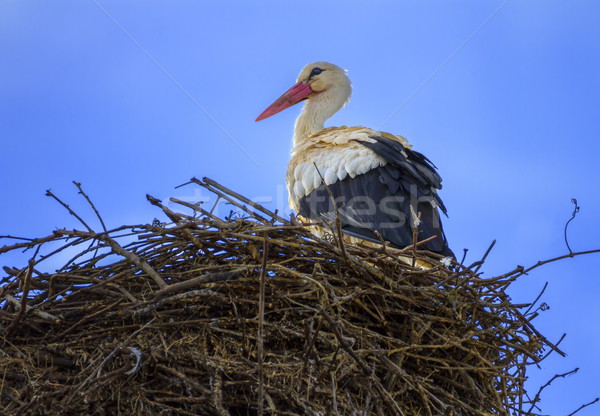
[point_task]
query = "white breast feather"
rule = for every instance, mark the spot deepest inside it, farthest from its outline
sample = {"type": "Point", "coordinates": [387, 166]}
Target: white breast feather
{"type": "Point", "coordinates": [307, 177]}
{"type": "Point", "coordinates": [331, 156]}
{"type": "Point", "coordinates": [298, 171]}
{"type": "Point", "coordinates": [295, 190]}
{"type": "Point", "coordinates": [333, 164]}
{"type": "Point", "coordinates": [330, 176]}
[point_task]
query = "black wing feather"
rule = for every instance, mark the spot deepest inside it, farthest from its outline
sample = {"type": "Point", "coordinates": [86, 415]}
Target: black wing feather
{"type": "Point", "coordinates": [379, 201]}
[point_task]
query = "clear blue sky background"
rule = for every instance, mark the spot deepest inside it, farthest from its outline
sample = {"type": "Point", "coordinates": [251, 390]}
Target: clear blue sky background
{"type": "Point", "coordinates": [137, 97]}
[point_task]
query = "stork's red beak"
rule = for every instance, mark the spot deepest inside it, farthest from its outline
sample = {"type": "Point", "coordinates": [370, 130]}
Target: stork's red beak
{"type": "Point", "coordinates": [294, 95]}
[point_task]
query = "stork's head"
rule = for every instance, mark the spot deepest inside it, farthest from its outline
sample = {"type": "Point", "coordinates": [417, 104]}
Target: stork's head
{"type": "Point", "coordinates": [316, 80]}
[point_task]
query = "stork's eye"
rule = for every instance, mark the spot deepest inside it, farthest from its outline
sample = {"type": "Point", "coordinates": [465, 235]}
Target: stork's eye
{"type": "Point", "coordinates": [315, 72]}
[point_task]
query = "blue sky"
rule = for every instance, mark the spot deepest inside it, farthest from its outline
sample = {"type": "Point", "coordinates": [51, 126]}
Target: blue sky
{"type": "Point", "coordinates": [136, 97]}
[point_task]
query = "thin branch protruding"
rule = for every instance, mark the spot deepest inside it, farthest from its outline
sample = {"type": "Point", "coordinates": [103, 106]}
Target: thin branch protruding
{"type": "Point", "coordinates": [573, 215]}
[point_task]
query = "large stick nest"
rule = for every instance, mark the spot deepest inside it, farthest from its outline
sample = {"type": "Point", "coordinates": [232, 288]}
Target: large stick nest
{"type": "Point", "coordinates": [168, 319]}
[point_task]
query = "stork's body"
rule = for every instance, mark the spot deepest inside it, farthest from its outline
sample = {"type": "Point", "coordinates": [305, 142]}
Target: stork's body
{"type": "Point", "coordinates": [372, 180]}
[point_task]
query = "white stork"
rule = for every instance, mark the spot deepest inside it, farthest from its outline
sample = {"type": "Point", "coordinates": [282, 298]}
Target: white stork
{"type": "Point", "coordinates": [377, 185]}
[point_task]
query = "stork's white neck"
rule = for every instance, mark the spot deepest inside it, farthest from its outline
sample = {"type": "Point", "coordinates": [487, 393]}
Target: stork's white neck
{"type": "Point", "coordinates": [317, 109]}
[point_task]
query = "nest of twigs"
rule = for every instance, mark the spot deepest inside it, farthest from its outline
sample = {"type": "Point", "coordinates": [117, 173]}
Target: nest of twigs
{"type": "Point", "coordinates": [251, 315]}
